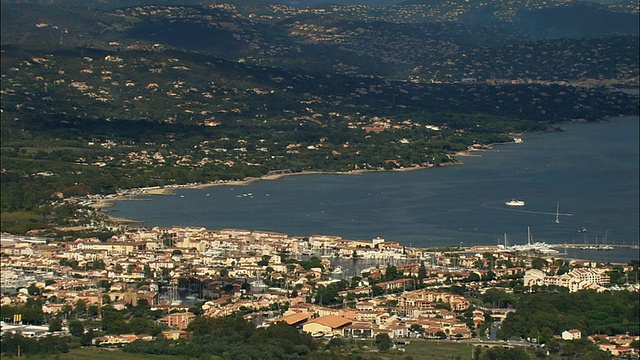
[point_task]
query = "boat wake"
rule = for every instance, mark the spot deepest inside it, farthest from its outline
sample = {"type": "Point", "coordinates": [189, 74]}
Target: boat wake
{"type": "Point", "coordinates": [494, 206]}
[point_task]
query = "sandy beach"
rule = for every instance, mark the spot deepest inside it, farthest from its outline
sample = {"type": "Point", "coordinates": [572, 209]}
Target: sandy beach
{"type": "Point", "coordinates": [101, 204]}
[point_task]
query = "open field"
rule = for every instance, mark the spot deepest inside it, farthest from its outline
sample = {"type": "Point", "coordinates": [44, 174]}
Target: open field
{"type": "Point", "coordinates": [416, 350]}
{"type": "Point", "coordinates": [94, 354]}
{"type": "Point", "coordinates": [438, 350]}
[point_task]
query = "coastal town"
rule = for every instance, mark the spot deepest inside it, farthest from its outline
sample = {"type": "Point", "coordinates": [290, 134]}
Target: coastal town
{"type": "Point", "coordinates": [323, 285]}
{"type": "Point", "coordinates": [109, 101]}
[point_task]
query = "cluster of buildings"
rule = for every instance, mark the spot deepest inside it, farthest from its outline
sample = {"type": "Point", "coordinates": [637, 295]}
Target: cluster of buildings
{"type": "Point", "coordinates": [233, 265]}
{"type": "Point", "coordinates": [249, 272]}
{"type": "Point", "coordinates": [617, 345]}
{"type": "Point", "coordinates": [575, 280]}
{"type": "Point", "coordinates": [415, 313]}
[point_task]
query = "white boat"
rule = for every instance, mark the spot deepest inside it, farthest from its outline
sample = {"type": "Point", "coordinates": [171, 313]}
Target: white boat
{"type": "Point", "coordinates": [531, 246]}
{"type": "Point", "coordinates": [514, 202]}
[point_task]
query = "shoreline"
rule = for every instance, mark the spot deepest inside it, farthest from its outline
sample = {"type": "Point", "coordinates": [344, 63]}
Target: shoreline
{"type": "Point", "coordinates": [101, 204]}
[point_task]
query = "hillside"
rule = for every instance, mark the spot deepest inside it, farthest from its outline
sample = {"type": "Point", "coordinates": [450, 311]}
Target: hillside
{"type": "Point", "coordinates": [353, 40]}
{"type": "Point", "coordinates": [96, 99]}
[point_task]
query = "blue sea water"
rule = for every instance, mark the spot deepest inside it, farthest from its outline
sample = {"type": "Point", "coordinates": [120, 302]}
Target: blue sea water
{"type": "Point", "coordinates": [590, 171]}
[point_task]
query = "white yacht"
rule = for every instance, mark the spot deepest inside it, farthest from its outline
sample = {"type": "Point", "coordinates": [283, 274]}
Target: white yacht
{"type": "Point", "coordinates": [534, 246]}
{"type": "Point", "coordinates": [514, 202]}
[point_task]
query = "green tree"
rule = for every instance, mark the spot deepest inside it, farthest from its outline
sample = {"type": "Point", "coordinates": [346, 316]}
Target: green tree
{"type": "Point", "coordinates": [33, 290]}
{"type": "Point", "coordinates": [104, 284]}
{"type": "Point", "coordinates": [392, 273]}
{"type": "Point", "coordinates": [93, 311]}
{"type": "Point", "coordinates": [113, 321]}
{"type": "Point", "coordinates": [335, 343]}
{"type": "Point", "coordinates": [383, 342]}
{"type": "Point", "coordinates": [416, 328]}
{"type": "Point", "coordinates": [142, 308]}
{"type": "Point", "coordinates": [497, 353]}
{"type": "Point", "coordinates": [32, 312]}
{"type": "Point", "coordinates": [139, 325]}
{"type": "Point", "coordinates": [76, 328]}
{"type": "Point", "coordinates": [538, 263]}
{"type": "Point", "coordinates": [55, 325]}
{"type": "Point", "coordinates": [81, 307]}
{"type": "Point", "coordinates": [148, 273]}
{"type": "Point", "coordinates": [86, 339]}
{"type": "Point", "coordinates": [422, 272]}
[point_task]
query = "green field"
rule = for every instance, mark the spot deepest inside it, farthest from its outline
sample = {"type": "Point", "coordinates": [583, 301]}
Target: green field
{"type": "Point", "coordinates": [438, 350]}
{"type": "Point", "coordinates": [94, 354]}
{"type": "Point", "coordinates": [416, 350]}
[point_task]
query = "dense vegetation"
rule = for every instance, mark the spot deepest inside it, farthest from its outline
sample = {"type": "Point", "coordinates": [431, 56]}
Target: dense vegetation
{"type": "Point", "coordinates": [234, 338]}
{"type": "Point", "coordinates": [151, 95]}
{"type": "Point", "coordinates": [14, 344]}
{"type": "Point", "coordinates": [543, 315]}
{"type": "Point", "coordinates": [422, 42]}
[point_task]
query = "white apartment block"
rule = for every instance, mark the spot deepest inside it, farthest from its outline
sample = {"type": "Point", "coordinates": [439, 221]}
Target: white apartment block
{"type": "Point", "coordinates": [575, 280]}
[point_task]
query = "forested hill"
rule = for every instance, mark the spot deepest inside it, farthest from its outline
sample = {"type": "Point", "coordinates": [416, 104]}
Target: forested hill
{"type": "Point", "coordinates": [97, 99]}
{"type": "Point", "coordinates": [404, 42]}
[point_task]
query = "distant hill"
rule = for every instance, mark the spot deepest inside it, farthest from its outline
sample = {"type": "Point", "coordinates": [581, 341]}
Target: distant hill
{"type": "Point", "coordinates": [113, 4]}
{"type": "Point", "coordinates": [397, 42]}
{"type": "Point", "coordinates": [105, 95]}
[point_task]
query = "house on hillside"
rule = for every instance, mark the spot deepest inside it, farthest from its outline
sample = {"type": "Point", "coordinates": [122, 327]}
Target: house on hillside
{"type": "Point", "coordinates": [573, 334]}
{"type": "Point", "coordinates": [178, 321]}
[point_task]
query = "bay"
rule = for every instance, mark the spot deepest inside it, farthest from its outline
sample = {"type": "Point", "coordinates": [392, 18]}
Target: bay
{"type": "Point", "coordinates": [590, 170]}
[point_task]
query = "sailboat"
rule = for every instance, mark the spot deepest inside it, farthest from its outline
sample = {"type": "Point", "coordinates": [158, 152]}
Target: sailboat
{"type": "Point", "coordinates": [534, 246]}
{"type": "Point", "coordinates": [557, 213]}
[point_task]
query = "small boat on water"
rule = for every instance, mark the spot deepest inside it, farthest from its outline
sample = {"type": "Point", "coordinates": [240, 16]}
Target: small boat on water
{"type": "Point", "coordinates": [514, 202]}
